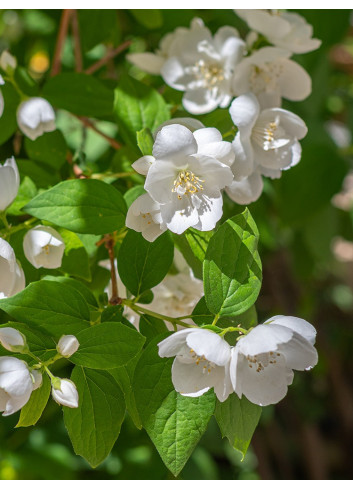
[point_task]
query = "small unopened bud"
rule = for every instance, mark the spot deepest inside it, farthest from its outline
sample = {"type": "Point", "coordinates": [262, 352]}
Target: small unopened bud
{"type": "Point", "coordinates": [8, 62]}
{"type": "Point", "coordinates": [68, 345]}
{"type": "Point", "coordinates": [64, 392]}
{"type": "Point", "coordinates": [37, 379]}
{"type": "Point", "coordinates": [13, 340]}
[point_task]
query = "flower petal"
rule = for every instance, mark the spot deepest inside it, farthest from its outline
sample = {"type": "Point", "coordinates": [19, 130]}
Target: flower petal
{"type": "Point", "coordinates": [174, 142]}
{"type": "Point", "coordinates": [210, 345]}
{"type": "Point", "coordinates": [143, 164]}
{"type": "Point", "coordinates": [172, 345]}
{"type": "Point", "coordinates": [148, 62]}
{"type": "Point", "coordinates": [247, 190]}
{"type": "Point", "coordinates": [298, 325]}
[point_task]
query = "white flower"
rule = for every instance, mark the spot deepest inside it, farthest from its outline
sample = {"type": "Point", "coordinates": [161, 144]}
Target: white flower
{"type": "Point", "coordinates": [44, 247]}
{"type": "Point", "coordinates": [270, 75]}
{"type": "Point", "coordinates": [67, 345]}
{"type": "Point", "coordinates": [144, 216]}
{"type": "Point", "coordinates": [8, 62]}
{"type": "Point", "coordinates": [201, 362]}
{"type": "Point", "coordinates": [186, 175]}
{"type": "Point", "coordinates": [35, 116]}
{"type": "Point", "coordinates": [266, 143]}
{"type": "Point", "coordinates": [204, 66]}
{"type": "Point", "coordinates": [16, 384]}
{"type": "Point", "coordinates": [283, 29]}
{"type": "Point", "coordinates": [1, 97]}
{"type": "Point", "coordinates": [262, 362]}
{"type": "Point", "coordinates": [64, 392]}
{"type": "Point", "coordinates": [12, 279]}
{"type": "Point", "coordinates": [9, 183]}
{"type": "Point", "coordinates": [12, 340]}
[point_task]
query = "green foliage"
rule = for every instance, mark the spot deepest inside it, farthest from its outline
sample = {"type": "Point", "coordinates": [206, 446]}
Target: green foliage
{"type": "Point", "coordinates": [50, 148]}
{"type": "Point", "coordinates": [145, 141]}
{"type": "Point", "coordinates": [32, 411]}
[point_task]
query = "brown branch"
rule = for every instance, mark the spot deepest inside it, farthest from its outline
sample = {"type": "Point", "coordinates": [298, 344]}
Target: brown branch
{"type": "Point", "coordinates": [109, 243]}
{"type": "Point", "coordinates": [88, 123]}
{"type": "Point", "coordinates": [63, 28]}
{"type": "Point", "coordinates": [110, 55]}
{"type": "Point", "coordinates": [77, 43]}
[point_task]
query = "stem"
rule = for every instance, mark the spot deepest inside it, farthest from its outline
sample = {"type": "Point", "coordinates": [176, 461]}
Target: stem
{"type": "Point", "coordinates": [4, 220]}
{"type": "Point", "coordinates": [110, 55]}
{"type": "Point", "coordinates": [141, 310]}
{"type": "Point", "coordinates": [77, 43]}
{"type": "Point", "coordinates": [101, 176]}
{"type": "Point", "coordinates": [63, 28]}
{"type": "Point", "coordinates": [231, 329]}
{"type": "Point", "coordinates": [86, 122]}
{"type": "Point", "coordinates": [13, 229]}
{"type": "Point", "coordinates": [214, 322]}
{"type": "Point", "coordinates": [109, 244]}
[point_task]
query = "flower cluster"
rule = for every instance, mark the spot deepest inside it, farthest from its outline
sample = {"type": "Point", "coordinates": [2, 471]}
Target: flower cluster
{"type": "Point", "coordinates": [190, 165]}
{"type": "Point", "coordinates": [260, 366]}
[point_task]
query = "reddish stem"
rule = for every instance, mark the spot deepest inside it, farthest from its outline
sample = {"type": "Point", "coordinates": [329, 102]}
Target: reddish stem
{"type": "Point", "coordinates": [63, 28]}
{"type": "Point", "coordinates": [110, 55]}
{"type": "Point", "coordinates": [77, 43]}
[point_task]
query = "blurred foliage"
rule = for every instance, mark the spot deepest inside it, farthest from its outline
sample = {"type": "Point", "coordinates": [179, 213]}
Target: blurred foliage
{"type": "Point", "coordinates": [306, 243]}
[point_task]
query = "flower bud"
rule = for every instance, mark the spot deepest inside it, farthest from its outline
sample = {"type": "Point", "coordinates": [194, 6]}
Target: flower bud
{"type": "Point", "coordinates": [12, 340]}
{"type": "Point", "coordinates": [37, 379]}
{"type": "Point", "coordinates": [44, 247]}
{"type": "Point", "coordinates": [64, 392]}
{"type": "Point", "coordinates": [8, 62]}
{"type": "Point", "coordinates": [12, 279]}
{"type": "Point", "coordinates": [9, 183]}
{"type": "Point", "coordinates": [16, 385]}
{"type": "Point", "coordinates": [68, 345]}
{"type": "Point", "coordinates": [35, 116]}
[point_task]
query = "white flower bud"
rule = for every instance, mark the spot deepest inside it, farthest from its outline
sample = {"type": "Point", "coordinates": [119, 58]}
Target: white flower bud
{"type": "Point", "coordinates": [68, 345]}
{"type": "Point", "coordinates": [12, 278]}
{"type": "Point", "coordinates": [7, 62]}
{"type": "Point", "coordinates": [64, 392]}
{"type": "Point", "coordinates": [16, 385]}
{"type": "Point", "coordinates": [9, 183]}
{"type": "Point", "coordinates": [35, 116]}
{"type": "Point", "coordinates": [12, 340]}
{"type": "Point", "coordinates": [44, 247]}
{"type": "Point", "coordinates": [37, 379]}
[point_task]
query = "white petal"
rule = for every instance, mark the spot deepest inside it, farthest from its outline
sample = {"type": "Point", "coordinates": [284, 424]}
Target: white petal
{"type": "Point", "coordinates": [298, 325]}
{"type": "Point", "coordinates": [295, 83]}
{"type": "Point", "coordinates": [263, 339]}
{"type": "Point", "coordinates": [179, 215]}
{"type": "Point", "coordinates": [299, 353]}
{"type": "Point", "coordinates": [243, 165]}
{"type": "Point", "coordinates": [247, 190]}
{"type": "Point", "coordinates": [67, 345]}
{"type": "Point", "coordinates": [142, 165]}
{"type": "Point", "coordinates": [201, 101]}
{"type": "Point", "coordinates": [222, 151]}
{"type": "Point", "coordinates": [190, 379]}
{"type": "Point", "coordinates": [210, 345]}
{"type": "Point", "coordinates": [149, 62]}
{"type": "Point", "coordinates": [210, 212]}
{"type": "Point", "coordinates": [10, 337]}
{"type": "Point", "coordinates": [174, 142]}
{"type": "Point", "coordinates": [205, 136]}
{"type": "Point", "coordinates": [244, 111]}
{"type": "Point", "coordinates": [160, 180]}
{"type": "Point", "coordinates": [172, 345]}
{"type": "Point", "coordinates": [188, 122]}
{"type": "Point", "coordinates": [67, 394]}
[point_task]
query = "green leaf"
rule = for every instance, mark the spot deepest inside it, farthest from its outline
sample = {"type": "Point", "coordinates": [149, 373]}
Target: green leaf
{"type": "Point", "coordinates": [104, 29]}
{"type": "Point", "coordinates": [145, 141]}
{"type": "Point", "coordinates": [79, 286]}
{"type": "Point", "coordinates": [83, 206]}
{"type": "Point", "coordinates": [95, 425]}
{"type": "Point", "coordinates": [26, 192]}
{"type": "Point", "coordinates": [75, 260]}
{"type": "Point", "coordinates": [150, 327]}
{"type": "Point", "coordinates": [39, 343]}
{"type": "Point", "coordinates": [232, 267]}
{"type": "Point", "coordinates": [131, 195]}
{"type": "Point", "coordinates": [112, 314]}
{"type": "Point", "coordinates": [137, 107]}
{"type": "Point", "coordinates": [175, 423]}
{"type": "Point", "coordinates": [198, 242]}
{"type": "Point", "coordinates": [151, 18]}
{"type": "Point", "coordinates": [142, 264]}
{"type": "Point", "coordinates": [201, 316]}
{"type": "Point", "coordinates": [51, 306]}
{"type": "Point", "coordinates": [80, 94]}
{"type": "Point", "coordinates": [50, 148]}
{"type": "Point", "coordinates": [42, 175]}
{"type": "Point", "coordinates": [32, 411]}
{"type": "Point", "coordinates": [8, 121]}
{"type": "Point", "coordinates": [107, 346]}
{"type": "Point", "coordinates": [237, 419]}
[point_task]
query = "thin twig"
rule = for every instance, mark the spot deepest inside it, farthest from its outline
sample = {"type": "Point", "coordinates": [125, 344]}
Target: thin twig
{"type": "Point", "coordinates": [110, 55]}
{"type": "Point", "coordinates": [109, 244]}
{"type": "Point", "coordinates": [77, 43]}
{"type": "Point", "coordinates": [88, 123]}
{"type": "Point", "coordinates": [63, 28]}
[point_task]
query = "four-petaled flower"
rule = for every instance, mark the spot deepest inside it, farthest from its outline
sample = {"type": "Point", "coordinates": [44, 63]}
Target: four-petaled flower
{"type": "Point", "coordinates": [35, 116]}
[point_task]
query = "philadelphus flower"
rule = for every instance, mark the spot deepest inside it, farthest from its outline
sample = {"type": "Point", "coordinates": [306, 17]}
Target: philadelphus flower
{"type": "Point", "coordinates": [270, 75]}
{"type": "Point", "coordinates": [201, 362]}
{"type": "Point", "coordinates": [1, 97]}
{"type": "Point", "coordinates": [12, 279]}
{"type": "Point", "coordinates": [9, 183]}
{"type": "Point", "coordinates": [184, 177]}
{"type": "Point", "coordinates": [266, 143]}
{"type": "Point", "coordinates": [283, 29]}
{"type": "Point", "coordinates": [35, 116]}
{"type": "Point", "coordinates": [262, 362]}
{"type": "Point", "coordinates": [44, 247]}
{"type": "Point", "coordinates": [12, 340]}
{"type": "Point", "coordinates": [64, 392]}
{"type": "Point", "coordinates": [67, 345]}
{"type": "Point", "coordinates": [16, 384]}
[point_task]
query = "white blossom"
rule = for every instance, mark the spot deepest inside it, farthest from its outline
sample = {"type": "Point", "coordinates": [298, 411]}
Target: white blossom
{"type": "Point", "coordinates": [144, 216]}
{"type": "Point", "coordinates": [67, 345]}
{"type": "Point", "coordinates": [185, 177]}
{"type": "Point", "coordinates": [283, 29]}
{"type": "Point", "coordinates": [201, 362]}
{"type": "Point", "coordinates": [11, 339]}
{"type": "Point", "coordinates": [12, 279]}
{"type": "Point", "coordinates": [266, 143]}
{"type": "Point", "coordinates": [8, 62]}
{"type": "Point", "coordinates": [9, 182]}
{"type": "Point", "coordinates": [2, 104]}
{"type": "Point", "coordinates": [16, 384]}
{"type": "Point", "coordinates": [44, 247]}
{"type": "Point", "coordinates": [35, 116]}
{"type": "Point", "coordinates": [263, 361]}
{"type": "Point", "coordinates": [64, 392]}
{"type": "Point", "coordinates": [271, 76]}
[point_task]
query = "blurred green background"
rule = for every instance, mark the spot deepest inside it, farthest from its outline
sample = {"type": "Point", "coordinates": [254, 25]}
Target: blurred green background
{"type": "Point", "coordinates": [306, 246]}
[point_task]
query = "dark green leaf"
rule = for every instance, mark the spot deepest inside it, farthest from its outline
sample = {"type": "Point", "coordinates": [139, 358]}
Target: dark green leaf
{"type": "Point", "coordinates": [50, 148]}
{"type": "Point", "coordinates": [145, 141]}
{"type": "Point", "coordinates": [150, 327]}
{"type": "Point", "coordinates": [32, 411]}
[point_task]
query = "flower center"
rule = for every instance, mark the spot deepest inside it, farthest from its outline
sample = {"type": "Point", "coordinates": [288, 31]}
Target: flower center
{"type": "Point", "coordinates": [211, 74]}
{"type": "Point", "coordinates": [265, 135]}
{"type": "Point", "coordinates": [260, 362]}
{"type": "Point", "coordinates": [265, 78]}
{"type": "Point", "coordinates": [46, 249]}
{"type": "Point", "coordinates": [147, 215]}
{"type": "Point", "coordinates": [187, 183]}
{"type": "Point", "coordinates": [206, 365]}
